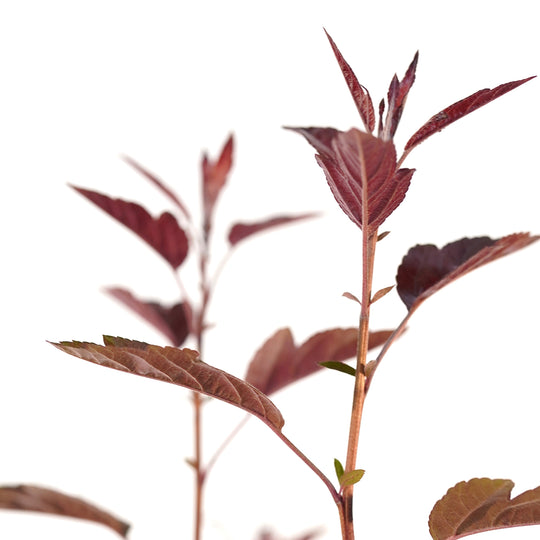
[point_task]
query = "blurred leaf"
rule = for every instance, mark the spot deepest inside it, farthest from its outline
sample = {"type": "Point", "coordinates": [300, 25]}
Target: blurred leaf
{"type": "Point", "coordinates": [426, 268]}
{"type": "Point", "coordinates": [240, 231]}
{"type": "Point", "coordinates": [338, 366]}
{"type": "Point", "coordinates": [177, 366]}
{"type": "Point", "coordinates": [279, 362]}
{"type": "Point", "coordinates": [349, 478]}
{"type": "Point", "coordinates": [358, 165]}
{"type": "Point", "coordinates": [481, 505]}
{"type": "Point", "coordinates": [163, 234]}
{"type": "Point", "coordinates": [214, 177]}
{"type": "Point", "coordinates": [37, 499]}
{"type": "Point", "coordinates": [170, 321]}
{"type": "Point", "coordinates": [358, 92]}
{"type": "Point", "coordinates": [459, 110]}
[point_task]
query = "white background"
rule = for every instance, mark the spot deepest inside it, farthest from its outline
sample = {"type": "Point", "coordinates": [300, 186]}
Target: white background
{"type": "Point", "coordinates": [84, 82]}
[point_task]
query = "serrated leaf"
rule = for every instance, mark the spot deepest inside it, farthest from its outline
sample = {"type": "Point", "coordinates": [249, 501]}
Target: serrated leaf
{"type": "Point", "coordinates": [338, 468]}
{"type": "Point", "coordinates": [459, 110]}
{"type": "Point", "coordinates": [339, 366]}
{"type": "Point", "coordinates": [481, 505]}
{"type": "Point", "coordinates": [426, 268]}
{"type": "Point", "coordinates": [163, 233]}
{"type": "Point", "coordinates": [48, 501]}
{"type": "Point", "coordinates": [349, 478]}
{"type": "Point", "coordinates": [214, 177]}
{"type": "Point", "coordinates": [240, 231]}
{"type": "Point", "coordinates": [279, 362]}
{"type": "Point", "coordinates": [359, 93]}
{"type": "Point", "coordinates": [171, 321]}
{"type": "Point", "coordinates": [159, 184]}
{"type": "Point", "coordinates": [177, 366]}
{"type": "Point", "coordinates": [380, 293]}
{"type": "Point", "coordinates": [359, 166]}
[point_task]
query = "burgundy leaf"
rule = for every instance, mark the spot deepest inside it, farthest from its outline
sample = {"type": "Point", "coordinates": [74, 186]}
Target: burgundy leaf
{"type": "Point", "coordinates": [426, 268]}
{"type": "Point", "coordinates": [240, 231]}
{"type": "Point", "coordinates": [481, 505]}
{"type": "Point", "coordinates": [170, 321]}
{"type": "Point", "coordinates": [37, 499]}
{"type": "Point", "coordinates": [177, 366]}
{"type": "Point", "coordinates": [279, 362]}
{"type": "Point", "coordinates": [397, 95]}
{"type": "Point", "coordinates": [159, 184]}
{"type": "Point", "coordinates": [214, 176]}
{"type": "Point", "coordinates": [360, 166]}
{"type": "Point", "coordinates": [358, 92]}
{"type": "Point", "coordinates": [163, 234]}
{"type": "Point", "coordinates": [458, 110]}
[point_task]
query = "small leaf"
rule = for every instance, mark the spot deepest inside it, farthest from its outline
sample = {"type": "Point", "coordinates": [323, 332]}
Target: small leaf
{"type": "Point", "coordinates": [382, 292]}
{"type": "Point", "coordinates": [240, 231]}
{"type": "Point", "coordinates": [159, 184]}
{"type": "Point", "coordinates": [339, 469]}
{"type": "Point", "coordinates": [177, 366]}
{"type": "Point", "coordinates": [279, 362]}
{"type": "Point", "coordinates": [349, 478]}
{"type": "Point", "coordinates": [339, 366]}
{"type": "Point", "coordinates": [481, 505]}
{"type": "Point", "coordinates": [37, 499]}
{"type": "Point", "coordinates": [163, 234]}
{"type": "Point", "coordinates": [382, 235]}
{"type": "Point", "coordinates": [459, 110]}
{"type": "Point", "coordinates": [359, 93]}
{"type": "Point", "coordinates": [351, 296]}
{"type": "Point", "coordinates": [170, 321]}
{"type": "Point", "coordinates": [214, 176]}
{"type": "Point", "coordinates": [426, 269]}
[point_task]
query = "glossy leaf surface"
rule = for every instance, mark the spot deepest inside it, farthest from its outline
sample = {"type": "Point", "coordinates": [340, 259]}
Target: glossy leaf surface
{"type": "Point", "coordinates": [171, 321]}
{"type": "Point", "coordinates": [426, 268]}
{"type": "Point", "coordinates": [37, 499]}
{"type": "Point", "coordinates": [459, 110]}
{"type": "Point", "coordinates": [163, 233]}
{"type": "Point", "coordinates": [361, 172]}
{"type": "Point", "coordinates": [241, 231]}
{"type": "Point", "coordinates": [481, 505]}
{"type": "Point", "coordinates": [279, 362]}
{"type": "Point", "coordinates": [177, 366]}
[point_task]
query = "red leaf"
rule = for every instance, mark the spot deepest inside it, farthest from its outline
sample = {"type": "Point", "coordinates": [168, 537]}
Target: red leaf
{"type": "Point", "coordinates": [214, 176]}
{"type": "Point", "coordinates": [458, 110]}
{"type": "Point", "coordinates": [38, 499]}
{"type": "Point", "coordinates": [177, 366]}
{"type": "Point", "coordinates": [240, 231]}
{"type": "Point", "coordinates": [159, 184]}
{"type": "Point", "coordinates": [397, 96]}
{"type": "Point", "coordinates": [280, 362]}
{"type": "Point", "coordinates": [481, 505]}
{"type": "Point", "coordinates": [170, 321]}
{"type": "Point", "coordinates": [360, 166]}
{"type": "Point", "coordinates": [358, 92]}
{"type": "Point", "coordinates": [163, 234]}
{"type": "Point", "coordinates": [426, 269]}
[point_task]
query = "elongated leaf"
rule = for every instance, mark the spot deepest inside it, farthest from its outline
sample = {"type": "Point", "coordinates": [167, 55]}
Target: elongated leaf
{"type": "Point", "coordinates": [37, 499]}
{"type": "Point", "coordinates": [459, 110]}
{"type": "Point", "coordinates": [163, 234]}
{"type": "Point", "coordinates": [426, 269]}
{"type": "Point", "coordinates": [348, 478]}
{"type": "Point", "coordinates": [240, 231]}
{"type": "Point", "coordinates": [397, 96]}
{"type": "Point", "coordinates": [481, 505]}
{"type": "Point", "coordinates": [359, 93]}
{"type": "Point", "coordinates": [214, 177]}
{"type": "Point", "coordinates": [170, 321]}
{"type": "Point", "coordinates": [361, 172]}
{"type": "Point", "coordinates": [279, 362]}
{"type": "Point", "coordinates": [159, 184]}
{"type": "Point", "coordinates": [339, 366]}
{"type": "Point", "coordinates": [177, 366]}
